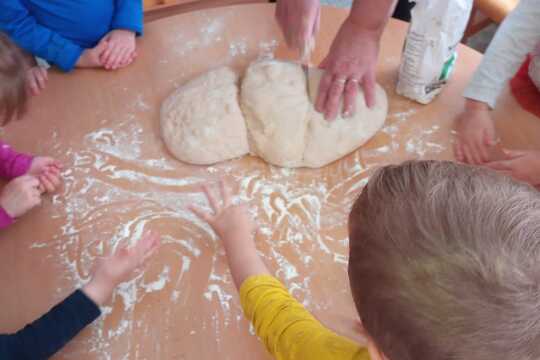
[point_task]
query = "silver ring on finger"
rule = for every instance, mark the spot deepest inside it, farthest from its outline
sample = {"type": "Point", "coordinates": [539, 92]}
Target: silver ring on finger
{"type": "Point", "coordinates": [353, 80]}
{"type": "Point", "coordinates": [341, 81]}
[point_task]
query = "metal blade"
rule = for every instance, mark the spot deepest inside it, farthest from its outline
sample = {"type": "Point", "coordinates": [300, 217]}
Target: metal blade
{"type": "Point", "coordinates": [305, 68]}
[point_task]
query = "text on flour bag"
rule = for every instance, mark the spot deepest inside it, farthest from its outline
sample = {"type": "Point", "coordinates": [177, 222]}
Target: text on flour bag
{"type": "Point", "coordinates": [429, 53]}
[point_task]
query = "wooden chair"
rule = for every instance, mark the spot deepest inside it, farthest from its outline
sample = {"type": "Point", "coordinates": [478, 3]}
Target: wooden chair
{"type": "Point", "coordinates": [156, 9]}
{"type": "Point", "coordinates": [487, 12]}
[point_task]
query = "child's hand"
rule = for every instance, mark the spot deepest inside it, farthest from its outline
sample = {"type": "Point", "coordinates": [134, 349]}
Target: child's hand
{"type": "Point", "coordinates": [36, 78]}
{"type": "Point", "coordinates": [476, 134]}
{"type": "Point", "coordinates": [20, 195]}
{"type": "Point", "coordinates": [112, 271]}
{"type": "Point", "coordinates": [47, 171]}
{"type": "Point", "coordinates": [233, 224]}
{"type": "Point", "coordinates": [228, 221]}
{"type": "Point", "coordinates": [90, 58]}
{"type": "Point", "coordinates": [121, 50]}
{"type": "Point", "coordinates": [521, 165]}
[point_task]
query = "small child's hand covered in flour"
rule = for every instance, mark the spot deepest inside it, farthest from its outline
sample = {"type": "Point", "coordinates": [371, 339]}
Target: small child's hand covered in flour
{"type": "Point", "coordinates": [476, 134]}
{"type": "Point", "coordinates": [117, 268]}
{"type": "Point", "coordinates": [234, 225]}
{"type": "Point", "coordinates": [47, 171]}
{"type": "Point", "coordinates": [20, 195]}
{"type": "Point", "coordinates": [121, 49]}
{"type": "Point", "coordinates": [36, 79]}
{"type": "Point", "coordinates": [91, 58]}
{"type": "Point", "coordinates": [228, 220]}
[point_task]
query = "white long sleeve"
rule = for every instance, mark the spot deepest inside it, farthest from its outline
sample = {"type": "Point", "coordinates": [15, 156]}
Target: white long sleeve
{"type": "Point", "coordinates": [516, 37]}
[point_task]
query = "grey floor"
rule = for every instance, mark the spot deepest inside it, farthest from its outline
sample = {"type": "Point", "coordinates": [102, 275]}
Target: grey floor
{"type": "Point", "coordinates": [479, 42]}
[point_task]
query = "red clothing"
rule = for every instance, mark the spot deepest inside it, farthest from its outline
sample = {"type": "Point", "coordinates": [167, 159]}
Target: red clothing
{"type": "Point", "coordinates": [12, 165]}
{"type": "Point", "coordinates": [524, 90]}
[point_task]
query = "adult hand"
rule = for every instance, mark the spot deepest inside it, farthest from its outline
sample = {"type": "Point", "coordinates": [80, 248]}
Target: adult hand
{"type": "Point", "coordinates": [112, 271]}
{"type": "Point", "coordinates": [20, 195]}
{"type": "Point", "coordinates": [47, 171]}
{"type": "Point", "coordinates": [522, 165]}
{"type": "Point", "coordinates": [121, 49]}
{"type": "Point", "coordinates": [351, 62]}
{"type": "Point", "coordinates": [476, 134]}
{"type": "Point", "coordinates": [90, 58]}
{"type": "Point", "coordinates": [299, 20]}
{"type": "Point", "coordinates": [36, 79]}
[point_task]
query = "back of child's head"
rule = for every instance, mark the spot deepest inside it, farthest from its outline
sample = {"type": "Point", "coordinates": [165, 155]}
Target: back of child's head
{"type": "Point", "coordinates": [13, 93]}
{"type": "Point", "coordinates": [445, 263]}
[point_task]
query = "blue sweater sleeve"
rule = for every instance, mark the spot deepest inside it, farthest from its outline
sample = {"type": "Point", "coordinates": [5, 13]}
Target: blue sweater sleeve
{"type": "Point", "coordinates": [128, 16]}
{"type": "Point", "coordinates": [38, 40]}
{"type": "Point", "coordinates": [45, 336]}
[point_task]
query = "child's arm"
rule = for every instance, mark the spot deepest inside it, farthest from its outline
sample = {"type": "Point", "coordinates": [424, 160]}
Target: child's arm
{"type": "Point", "coordinates": [287, 329]}
{"type": "Point", "coordinates": [128, 16]}
{"type": "Point", "coordinates": [13, 164]}
{"type": "Point", "coordinates": [234, 226]}
{"type": "Point", "coordinates": [38, 40]}
{"type": "Point", "coordinates": [127, 23]}
{"type": "Point", "coordinates": [51, 332]}
{"type": "Point", "coordinates": [516, 37]}
{"type": "Point", "coordinates": [18, 197]}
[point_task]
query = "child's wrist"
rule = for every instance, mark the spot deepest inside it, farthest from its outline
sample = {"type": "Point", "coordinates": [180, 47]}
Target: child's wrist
{"type": "Point", "coordinates": [237, 236]}
{"type": "Point", "coordinates": [98, 291]}
{"type": "Point", "coordinates": [475, 105]}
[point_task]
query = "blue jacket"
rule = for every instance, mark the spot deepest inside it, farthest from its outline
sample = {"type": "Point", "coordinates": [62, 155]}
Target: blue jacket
{"type": "Point", "coordinates": [58, 31]}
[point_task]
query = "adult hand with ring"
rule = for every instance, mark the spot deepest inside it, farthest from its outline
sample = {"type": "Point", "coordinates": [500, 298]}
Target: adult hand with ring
{"type": "Point", "coordinates": [351, 62]}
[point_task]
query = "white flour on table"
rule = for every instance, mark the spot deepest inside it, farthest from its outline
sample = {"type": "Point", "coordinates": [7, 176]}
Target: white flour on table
{"type": "Point", "coordinates": [110, 177]}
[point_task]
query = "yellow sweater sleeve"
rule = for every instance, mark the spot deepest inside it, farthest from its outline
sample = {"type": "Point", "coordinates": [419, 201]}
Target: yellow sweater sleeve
{"type": "Point", "coordinates": [287, 329]}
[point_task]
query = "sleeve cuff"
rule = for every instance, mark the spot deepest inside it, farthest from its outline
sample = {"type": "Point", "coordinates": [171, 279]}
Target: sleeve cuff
{"type": "Point", "coordinates": [137, 29]}
{"type": "Point", "coordinates": [88, 309]}
{"type": "Point", "coordinates": [66, 57]}
{"type": "Point", "coordinates": [5, 218]}
{"type": "Point", "coordinates": [483, 94]}
{"type": "Point", "coordinates": [256, 280]}
{"type": "Point", "coordinates": [21, 165]}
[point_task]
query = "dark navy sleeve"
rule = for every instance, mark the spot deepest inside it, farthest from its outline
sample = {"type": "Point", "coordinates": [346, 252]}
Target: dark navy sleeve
{"type": "Point", "coordinates": [45, 336]}
{"type": "Point", "coordinates": [25, 31]}
{"type": "Point", "coordinates": [128, 15]}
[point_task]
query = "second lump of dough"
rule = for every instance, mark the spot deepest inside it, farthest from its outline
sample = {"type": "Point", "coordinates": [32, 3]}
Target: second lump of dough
{"type": "Point", "coordinates": [285, 129]}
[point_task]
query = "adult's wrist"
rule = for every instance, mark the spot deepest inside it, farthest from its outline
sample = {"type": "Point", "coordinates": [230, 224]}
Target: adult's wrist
{"type": "Point", "coordinates": [371, 16]}
{"type": "Point", "coordinates": [362, 29]}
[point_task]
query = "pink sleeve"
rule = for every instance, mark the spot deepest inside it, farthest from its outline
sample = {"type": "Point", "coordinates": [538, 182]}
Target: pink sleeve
{"type": "Point", "coordinates": [12, 163]}
{"type": "Point", "coordinates": [5, 218]}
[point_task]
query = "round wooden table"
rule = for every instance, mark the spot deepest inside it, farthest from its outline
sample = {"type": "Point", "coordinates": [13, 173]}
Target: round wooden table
{"type": "Point", "coordinates": [120, 180]}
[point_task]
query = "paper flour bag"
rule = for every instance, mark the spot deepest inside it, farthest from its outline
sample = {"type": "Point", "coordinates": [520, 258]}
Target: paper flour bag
{"type": "Point", "coordinates": [430, 53]}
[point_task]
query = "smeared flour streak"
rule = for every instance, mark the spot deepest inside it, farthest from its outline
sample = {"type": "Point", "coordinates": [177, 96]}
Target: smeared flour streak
{"type": "Point", "coordinates": [114, 191]}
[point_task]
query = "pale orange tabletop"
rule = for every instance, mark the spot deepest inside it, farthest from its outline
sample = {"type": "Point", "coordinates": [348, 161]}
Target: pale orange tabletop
{"type": "Point", "coordinates": [120, 180]}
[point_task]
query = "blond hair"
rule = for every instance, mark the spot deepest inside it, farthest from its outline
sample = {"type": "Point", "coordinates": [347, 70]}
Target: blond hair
{"type": "Point", "coordinates": [13, 92]}
{"type": "Point", "coordinates": [445, 263]}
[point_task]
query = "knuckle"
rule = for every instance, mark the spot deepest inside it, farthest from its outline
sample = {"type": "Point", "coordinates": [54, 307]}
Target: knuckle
{"type": "Point", "coordinates": [335, 91]}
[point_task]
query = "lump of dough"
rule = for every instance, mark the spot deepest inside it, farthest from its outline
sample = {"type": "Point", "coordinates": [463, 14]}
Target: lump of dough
{"type": "Point", "coordinates": [328, 141]}
{"type": "Point", "coordinates": [275, 103]}
{"type": "Point", "coordinates": [201, 122]}
{"type": "Point", "coordinates": [283, 126]}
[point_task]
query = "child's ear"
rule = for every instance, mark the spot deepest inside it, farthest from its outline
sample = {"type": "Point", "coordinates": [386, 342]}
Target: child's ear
{"type": "Point", "coordinates": [374, 352]}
